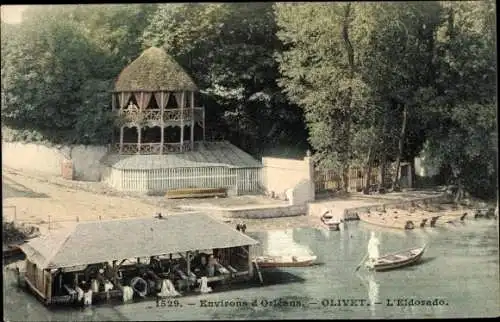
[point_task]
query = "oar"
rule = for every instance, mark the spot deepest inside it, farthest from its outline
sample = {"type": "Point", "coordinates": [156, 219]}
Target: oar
{"type": "Point", "coordinates": [361, 263]}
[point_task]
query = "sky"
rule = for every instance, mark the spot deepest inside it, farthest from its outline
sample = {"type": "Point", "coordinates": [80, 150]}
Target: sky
{"type": "Point", "coordinates": [12, 13]}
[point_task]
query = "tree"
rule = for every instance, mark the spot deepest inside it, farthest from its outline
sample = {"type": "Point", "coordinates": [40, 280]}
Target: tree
{"type": "Point", "coordinates": [463, 132]}
{"type": "Point", "coordinates": [229, 49]}
{"type": "Point", "coordinates": [46, 76]}
{"type": "Point", "coordinates": [321, 73]}
{"type": "Point", "coordinates": [59, 68]}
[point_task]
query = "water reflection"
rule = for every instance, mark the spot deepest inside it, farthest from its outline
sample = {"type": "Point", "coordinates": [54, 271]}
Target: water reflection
{"type": "Point", "coordinates": [282, 243]}
{"type": "Point", "coordinates": [383, 230]}
{"type": "Point", "coordinates": [372, 287]}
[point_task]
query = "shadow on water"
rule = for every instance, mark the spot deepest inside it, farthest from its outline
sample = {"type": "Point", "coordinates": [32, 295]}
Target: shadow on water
{"type": "Point", "coordinates": [278, 277]}
{"type": "Point", "coordinates": [13, 189]}
{"type": "Point", "coordinates": [271, 277]}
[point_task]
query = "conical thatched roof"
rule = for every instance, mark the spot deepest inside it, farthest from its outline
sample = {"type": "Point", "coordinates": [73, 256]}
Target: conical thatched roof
{"type": "Point", "coordinates": [154, 70]}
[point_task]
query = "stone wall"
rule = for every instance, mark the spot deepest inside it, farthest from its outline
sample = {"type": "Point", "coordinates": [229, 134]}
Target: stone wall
{"type": "Point", "coordinates": [46, 159]}
{"type": "Point", "coordinates": [287, 179]}
{"type": "Point", "coordinates": [268, 212]}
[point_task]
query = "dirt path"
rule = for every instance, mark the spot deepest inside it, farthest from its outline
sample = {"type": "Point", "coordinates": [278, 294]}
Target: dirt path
{"type": "Point", "coordinates": [32, 198]}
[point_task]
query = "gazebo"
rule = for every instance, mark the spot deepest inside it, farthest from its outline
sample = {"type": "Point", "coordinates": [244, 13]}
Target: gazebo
{"type": "Point", "coordinates": [156, 101]}
{"type": "Point", "coordinates": [159, 141]}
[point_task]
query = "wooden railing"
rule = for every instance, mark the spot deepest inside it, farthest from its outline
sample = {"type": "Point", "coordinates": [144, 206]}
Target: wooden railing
{"type": "Point", "coordinates": [171, 114]}
{"type": "Point", "coordinates": [152, 148]}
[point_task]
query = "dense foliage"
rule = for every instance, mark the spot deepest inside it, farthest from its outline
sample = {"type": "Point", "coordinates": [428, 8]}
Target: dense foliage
{"type": "Point", "coordinates": [58, 67]}
{"type": "Point", "coordinates": [229, 50]}
{"type": "Point", "coordinates": [380, 81]}
{"type": "Point", "coordinates": [363, 83]}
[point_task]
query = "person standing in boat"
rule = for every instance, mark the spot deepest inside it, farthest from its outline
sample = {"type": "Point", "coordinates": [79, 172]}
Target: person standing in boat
{"type": "Point", "coordinates": [373, 248]}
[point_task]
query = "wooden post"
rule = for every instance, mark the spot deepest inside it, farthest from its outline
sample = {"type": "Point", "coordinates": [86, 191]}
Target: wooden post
{"type": "Point", "coordinates": [203, 123]}
{"type": "Point", "coordinates": [182, 119]}
{"type": "Point", "coordinates": [162, 140]}
{"type": "Point", "coordinates": [114, 278]}
{"type": "Point", "coordinates": [188, 266]}
{"type": "Point", "coordinates": [410, 175]}
{"type": "Point", "coordinates": [250, 265]}
{"type": "Point", "coordinates": [121, 140]}
{"type": "Point", "coordinates": [139, 135]}
{"type": "Point", "coordinates": [192, 121]}
{"type": "Point", "coordinates": [113, 107]}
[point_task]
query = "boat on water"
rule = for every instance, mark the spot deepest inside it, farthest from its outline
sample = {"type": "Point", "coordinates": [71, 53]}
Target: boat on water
{"type": "Point", "coordinates": [285, 261]}
{"type": "Point", "coordinates": [330, 221]}
{"type": "Point", "coordinates": [396, 260]}
{"type": "Point", "coordinates": [389, 221]}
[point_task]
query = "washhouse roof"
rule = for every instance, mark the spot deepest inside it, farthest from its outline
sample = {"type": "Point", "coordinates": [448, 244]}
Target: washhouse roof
{"type": "Point", "coordinates": [101, 241]}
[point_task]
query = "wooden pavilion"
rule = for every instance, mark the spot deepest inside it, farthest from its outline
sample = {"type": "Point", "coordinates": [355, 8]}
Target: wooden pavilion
{"type": "Point", "coordinates": [152, 95]}
{"type": "Point", "coordinates": [159, 141]}
{"type": "Point", "coordinates": [117, 251]}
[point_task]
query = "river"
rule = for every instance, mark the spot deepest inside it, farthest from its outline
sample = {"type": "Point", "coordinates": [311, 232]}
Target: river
{"type": "Point", "coordinates": [459, 274]}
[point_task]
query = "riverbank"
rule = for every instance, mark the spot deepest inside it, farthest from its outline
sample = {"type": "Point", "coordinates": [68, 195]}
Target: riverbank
{"type": "Point", "coordinates": [44, 200]}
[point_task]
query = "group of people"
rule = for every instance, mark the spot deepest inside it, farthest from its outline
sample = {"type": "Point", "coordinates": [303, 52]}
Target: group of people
{"type": "Point", "coordinates": [241, 227]}
{"type": "Point", "coordinates": [205, 265]}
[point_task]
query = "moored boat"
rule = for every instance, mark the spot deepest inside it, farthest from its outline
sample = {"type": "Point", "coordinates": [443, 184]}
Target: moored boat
{"type": "Point", "coordinates": [397, 259]}
{"type": "Point", "coordinates": [389, 221]}
{"type": "Point", "coordinates": [285, 261]}
{"type": "Point", "coordinates": [330, 221]}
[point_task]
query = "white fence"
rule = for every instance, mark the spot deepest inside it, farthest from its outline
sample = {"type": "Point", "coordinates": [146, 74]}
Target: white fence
{"type": "Point", "coordinates": [244, 180]}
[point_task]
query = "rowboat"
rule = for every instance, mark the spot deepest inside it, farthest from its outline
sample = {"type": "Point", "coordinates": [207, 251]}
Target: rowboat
{"type": "Point", "coordinates": [396, 260]}
{"type": "Point", "coordinates": [330, 222]}
{"type": "Point", "coordinates": [285, 261]}
{"type": "Point", "coordinates": [387, 221]}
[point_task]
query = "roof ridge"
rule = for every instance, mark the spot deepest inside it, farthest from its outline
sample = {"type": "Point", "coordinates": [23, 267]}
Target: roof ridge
{"type": "Point", "coordinates": [68, 232]}
{"type": "Point", "coordinates": [154, 70]}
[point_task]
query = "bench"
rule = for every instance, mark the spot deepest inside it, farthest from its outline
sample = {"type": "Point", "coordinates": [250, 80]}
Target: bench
{"type": "Point", "coordinates": [196, 193]}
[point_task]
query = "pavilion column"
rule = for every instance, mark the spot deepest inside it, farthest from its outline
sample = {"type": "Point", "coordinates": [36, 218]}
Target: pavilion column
{"type": "Point", "coordinates": [182, 119]}
{"type": "Point", "coordinates": [139, 135]}
{"type": "Point", "coordinates": [121, 139]}
{"type": "Point", "coordinates": [192, 121]}
{"type": "Point", "coordinates": [162, 139]}
{"type": "Point", "coordinates": [162, 123]}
